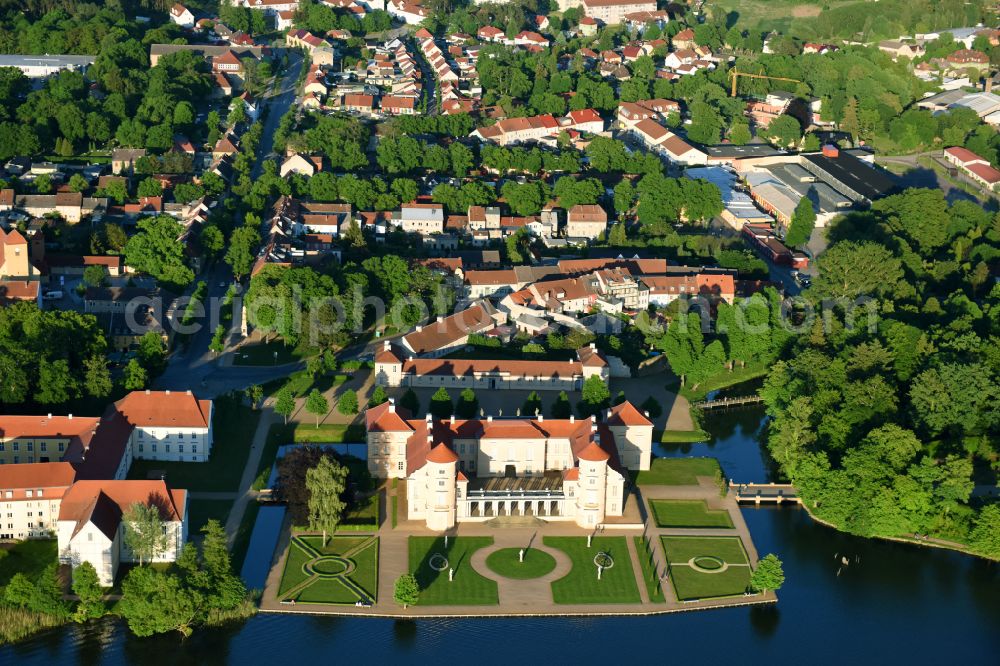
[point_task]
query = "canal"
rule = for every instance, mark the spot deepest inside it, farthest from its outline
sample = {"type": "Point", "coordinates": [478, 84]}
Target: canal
{"type": "Point", "coordinates": [893, 603]}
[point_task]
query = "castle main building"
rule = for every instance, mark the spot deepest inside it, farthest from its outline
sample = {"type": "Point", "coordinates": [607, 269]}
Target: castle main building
{"type": "Point", "coordinates": [476, 469]}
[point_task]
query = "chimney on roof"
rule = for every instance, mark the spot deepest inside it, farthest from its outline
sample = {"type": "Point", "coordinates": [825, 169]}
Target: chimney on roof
{"type": "Point", "coordinates": [489, 419]}
{"type": "Point", "coordinates": [188, 391]}
{"type": "Point", "coordinates": [386, 345]}
{"type": "Point", "coordinates": [440, 319]}
{"type": "Point", "coordinates": [50, 415]}
{"type": "Point", "coordinates": [419, 328]}
{"type": "Point", "coordinates": [572, 418]}
{"type": "Point", "coordinates": [541, 417]}
{"type": "Point", "coordinates": [70, 416]}
{"type": "Point", "coordinates": [147, 391]}
{"type": "Point", "coordinates": [453, 419]}
{"type": "Point", "coordinates": [427, 417]}
{"type": "Point", "coordinates": [167, 391]}
{"type": "Point", "coordinates": [392, 405]}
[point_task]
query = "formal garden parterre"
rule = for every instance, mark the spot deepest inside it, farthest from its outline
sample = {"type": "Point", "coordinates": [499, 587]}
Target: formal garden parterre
{"type": "Point", "coordinates": [343, 571]}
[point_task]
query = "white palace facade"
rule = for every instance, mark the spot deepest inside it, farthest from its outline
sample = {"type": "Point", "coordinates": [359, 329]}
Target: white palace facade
{"type": "Point", "coordinates": [476, 469]}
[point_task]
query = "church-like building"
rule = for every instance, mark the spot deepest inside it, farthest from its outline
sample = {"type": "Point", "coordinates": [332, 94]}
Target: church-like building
{"type": "Point", "coordinates": [473, 470]}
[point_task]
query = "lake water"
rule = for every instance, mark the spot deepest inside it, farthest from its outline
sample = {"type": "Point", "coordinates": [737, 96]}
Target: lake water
{"type": "Point", "coordinates": [895, 603]}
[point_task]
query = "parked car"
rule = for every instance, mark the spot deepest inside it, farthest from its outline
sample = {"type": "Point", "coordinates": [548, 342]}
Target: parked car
{"type": "Point", "coordinates": [52, 295]}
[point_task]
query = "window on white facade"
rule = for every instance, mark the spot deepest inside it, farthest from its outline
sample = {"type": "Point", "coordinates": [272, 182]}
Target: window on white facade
{"type": "Point", "coordinates": [180, 448]}
{"type": "Point", "coordinates": [154, 447]}
{"type": "Point", "coordinates": [166, 447]}
{"type": "Point", "coordinates": [29, 493]}
{"type": "Point", "coordinates": [399, 465]}
{"type": "Point", "coordinates": [194, 448]}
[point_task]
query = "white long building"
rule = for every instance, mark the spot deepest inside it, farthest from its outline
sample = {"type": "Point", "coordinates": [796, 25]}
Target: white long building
{"type": "Point", "coordinates": [477, 469]}
{"type": "Point", "coordinates": [394, 369]}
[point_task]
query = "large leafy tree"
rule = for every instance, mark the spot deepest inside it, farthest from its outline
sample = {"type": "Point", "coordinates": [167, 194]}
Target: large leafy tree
{"type": "Point", "coordinates": [769, 574]}
{"type": "Point", "coordinates": [145, 533]}
{"type": "Point", "coordinates": [158, 251]}
{"type": "Point", "coordinates": [803, 223]}
{"type": "Point", "coordinates": [155, 603]}
{"type": "Point", "coordinates": [325, 483]}
{"type": "Point", "coordinates": [850, 269]}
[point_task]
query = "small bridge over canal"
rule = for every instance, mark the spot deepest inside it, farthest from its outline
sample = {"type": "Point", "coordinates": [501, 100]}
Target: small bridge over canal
{"type": "Point", "coordinates": [736, 401]}
{"type": "Point", "coordinates": [757, 493]}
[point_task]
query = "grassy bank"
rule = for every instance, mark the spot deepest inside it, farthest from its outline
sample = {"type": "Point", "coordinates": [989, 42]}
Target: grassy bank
{"type": "Point", "coordinates": [233, 425]}
{"type": "Point", "coordinates": [676, 471]}
{"type": "Point", "coordinates": [17, 624]}
{"type": "Point", "coordinates": [723, 380]}
{"type": "Point", "coordinates": [682, 436]}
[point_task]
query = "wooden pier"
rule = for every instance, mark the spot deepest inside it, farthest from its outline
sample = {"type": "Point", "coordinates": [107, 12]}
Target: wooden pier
{"type": "Point", "coordinates": [765, 492]}
{"type": "Point", "coordinates": [722, 403]}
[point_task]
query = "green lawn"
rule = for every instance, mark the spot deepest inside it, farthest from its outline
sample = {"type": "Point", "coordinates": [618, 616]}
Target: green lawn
{"type": "Point", "coordinates": [233, 428]}
{"type": "Point", "coordinates": [506, 562]}
{"type": "Point", "coordinates": [723, 380]}
{"type": "Point", "coordinates": [467, 589]}
{"type": "Point", "coordinates": [263, 353]}
{"type": "Point", "coordinates": [27, 557]}
{"type": "Point", "coordinates": [689, 583]}
{"type": "Point", "coordinates": [338, 589]}
{"type": "Point", "coordinates": [200, 511]}
{"type": "Point", "coordinates": [308, 433]}
{"type": "Point", "coordinates": [363, 517]}
{"type": "Point", "coordinates": [684, 436]}
{"type": "Point", "coordinates": [580, 585]}
{"type": "Point", "coordinates": [649, 576]}
{"type": "Point", "coordinates": [688, 513]}
{"type": "Point", "coordinates": [676, 471]}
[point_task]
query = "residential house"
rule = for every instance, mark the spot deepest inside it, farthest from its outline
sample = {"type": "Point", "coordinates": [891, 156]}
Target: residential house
{"type": "Point", "coordinates": [421, 218]}
{"type": "Point", "coordinates": [611, 12]}
{"type": "Point", "coordinates": [586, 221]}
{"type": "Point", "coordinates": [182, 16]}
{"type": "Point", "coordinates": [974, 166]}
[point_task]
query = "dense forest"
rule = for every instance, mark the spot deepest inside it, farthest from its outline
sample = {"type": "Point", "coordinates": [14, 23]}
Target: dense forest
{"type": "Point", "coordinates": [885, 412]}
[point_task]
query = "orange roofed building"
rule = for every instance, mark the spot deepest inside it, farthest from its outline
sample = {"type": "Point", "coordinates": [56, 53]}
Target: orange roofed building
{"type": "Point", "coordinates": [91, 525]}
{"type": "Point", "coordinates": [393, 368]}
{"type": "Point", "coordinates": [64, 475]}
{"type": "Point", "coordinates": [459, 470]}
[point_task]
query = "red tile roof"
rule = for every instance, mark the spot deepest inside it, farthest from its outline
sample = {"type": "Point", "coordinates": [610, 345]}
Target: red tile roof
{"type": "Point", "coordinates": [104, 502]}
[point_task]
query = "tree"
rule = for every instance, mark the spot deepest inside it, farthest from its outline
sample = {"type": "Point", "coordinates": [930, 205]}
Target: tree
{"type": "Point", "coordinates": [532, 404]}
{"type": "Point", "coordinates": [768, 575]}
{"type": "Point", "coordinates": [406, 591]}
{"type": "Point", "coordinates": [617, 237]}
{"type": "Point", "coordinates": [43, 595]}
{"type": "Point", "coordinates": [739, 133]}
{"type": "Point", "coordinates": [241, 253]}
{"type": "Point", "coordinates": [784, 131]}
{"type": "Point", "coordinates": [325, 483]}
{"type": "Point", "coordinates": [211, 240]}
{"type": "Point", "coordinates": [77, 183]}
{"type": "Point", "coordinates": [155, 250]}
{"type": "Point", "coordinates": [561, 408]}
{"type": "Point", "coordinates": [97, 378]}
{"type": "Point", "coordinates": [441, 405]}
{"type": "Point", "coordinates": [134, 376]}
{"type": "Point", "coordinates": [596, 395]}
{"type": "Point", "coordinates": [149, 187]}
{"type": "Point", "coordinates": [850, 269]}
{"type": "Point", "coordinates": [803, 223]}
{"type": "Point", "coordinates": [145, 531]}
{"type": "Point", "coordinates": [317, 405]}
{"type": "Point", "coordinates": [410, 402]}
{"type": "Point", "coordinates": [43, 183]}
{"type": "Point", "coordinates": [95, 275]}
{"type": "Point", "coordinates": [284, 402]}
{"type": "Point", "coordinates": [154, 603]}
{"type": "Point", "coordinates": [985, 536]}
{"type": "Point", "coordinates": [87, 587]}
{"type": "Point", "coordinates": [347, 404]}
{"type": "Point", "coordinates": [254, 393]}
{"type": "Point", "coordinates": [468, 404]}
{"type": "Point", "coordinates": [378, 397]}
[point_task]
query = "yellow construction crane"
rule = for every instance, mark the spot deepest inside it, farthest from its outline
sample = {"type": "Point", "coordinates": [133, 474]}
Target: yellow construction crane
{"type": "Point", "coordinates": [734, 76]}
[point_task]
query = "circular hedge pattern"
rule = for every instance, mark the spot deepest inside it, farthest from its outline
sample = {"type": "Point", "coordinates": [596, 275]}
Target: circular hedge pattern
{"type": "Point", "coordinates": [708, 562]}
{"type": "Point", "coordinates": [438, 562]}
{"type": "Point", "coordinates": [506, 562]}
{"type": "Point", "coordinates": [329, 566]}
{"type": "Point", "coordinates": [604, 560]}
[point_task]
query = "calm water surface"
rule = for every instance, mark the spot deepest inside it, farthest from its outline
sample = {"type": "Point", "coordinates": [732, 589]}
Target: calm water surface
{"type": "Point", "coordinates": [897, 603]}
